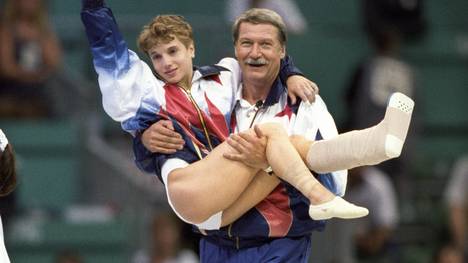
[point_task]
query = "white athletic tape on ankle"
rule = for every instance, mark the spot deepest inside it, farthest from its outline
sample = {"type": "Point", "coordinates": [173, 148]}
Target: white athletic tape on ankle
{"type": "Point", "coordinates": [298, 175]}
{"type": "Point", "coordinates": [393, 146]}
{"type": "Point", "coordinates": [401, 102]}
{"type": "Point", "coordinates": [348, 150]}
{"type": "Point", "coordinates": [365, 147]}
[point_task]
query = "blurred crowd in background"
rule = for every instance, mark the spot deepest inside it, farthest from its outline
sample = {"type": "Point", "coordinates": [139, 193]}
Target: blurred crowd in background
{"type": "Point", "coordinates": [80, 198]}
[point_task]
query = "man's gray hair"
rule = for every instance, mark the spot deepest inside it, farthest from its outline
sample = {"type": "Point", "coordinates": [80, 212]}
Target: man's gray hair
{"type": "Point", "coordinates": [260, 16]}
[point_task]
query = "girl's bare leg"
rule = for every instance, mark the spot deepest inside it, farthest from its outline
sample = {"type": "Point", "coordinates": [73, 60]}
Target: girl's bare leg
{"type": "Point", "coordinates": [208, 186]}
{"type": "Point", "coordinates": [258, 189]}
{"type": "Point", "coordinates": [288, 165]}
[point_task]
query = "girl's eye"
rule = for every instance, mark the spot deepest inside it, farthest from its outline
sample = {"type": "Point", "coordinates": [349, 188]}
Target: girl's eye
{"type": "Point", "coordinates": [173, 51]}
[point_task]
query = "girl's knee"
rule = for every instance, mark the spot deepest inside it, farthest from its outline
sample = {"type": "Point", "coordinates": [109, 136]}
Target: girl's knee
{"type": "Point", "coordinates": [273, 129]}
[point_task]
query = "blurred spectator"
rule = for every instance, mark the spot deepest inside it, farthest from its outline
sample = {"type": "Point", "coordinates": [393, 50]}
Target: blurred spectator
{"type": "Point", "coordinates": [29, 55]}
{"type": "Point", "coordinates": [7, 183]}
{"type": "Point", "coordinates": [405, 16]}
{"type": "Point", "coordinates": [369, 237]}
{"type": "Point", "coordinates": [166, 242]}
{"type": "Point", "coordinates": [68, 256]}
{"type": "Point", "coordinates": [448, 254]}
{"type": "Point", "coordinates": [387, 24]}
{"type": "Point", "coordinates": [293, 18]}
{"type": "Point", "coordinates": [457, 200]}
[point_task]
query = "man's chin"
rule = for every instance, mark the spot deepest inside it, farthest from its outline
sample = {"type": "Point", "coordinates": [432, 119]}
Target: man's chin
{"type": "Point", "coordinates": [256, 71]}
{"type": "Point", "coordinates": [255, 79]}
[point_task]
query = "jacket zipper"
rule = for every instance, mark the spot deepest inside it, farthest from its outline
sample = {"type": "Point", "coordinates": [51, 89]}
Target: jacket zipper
{"type": "Point", "coordinates": [200, 116]}
{"type": "Point", "coordinates": [202, 121]}
{"type": "Point", "coordinates": [235, 238]}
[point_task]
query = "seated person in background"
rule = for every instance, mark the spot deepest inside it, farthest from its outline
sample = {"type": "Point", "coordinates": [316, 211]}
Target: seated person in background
{"type": "Point", "coordinates": [371, 187]}
{"type": "Point", "coordinates": [457, 202]}
{"type": "Point", "coordinates": [68, 256]}
{"type": "Point", "coordinates": [289, 10]}
{"type": "Point", "coordinates": [447, 253]}
{"type": "Point", "coordinates": [367, 239]}
{"type": "Point", "coordinates": [7, 182]}
{"type": "Point", "coordinates": [29, 55]}
{"type": "Point", "coordinates": [166, 242]}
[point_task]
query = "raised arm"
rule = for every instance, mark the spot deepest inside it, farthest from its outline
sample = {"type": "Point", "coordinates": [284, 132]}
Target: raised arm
{"type": "Point", "coordinates": [125, 80]}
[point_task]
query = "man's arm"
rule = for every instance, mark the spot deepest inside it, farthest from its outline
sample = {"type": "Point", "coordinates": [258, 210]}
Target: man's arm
{"type": "Point", "coordinates": [159, 138]}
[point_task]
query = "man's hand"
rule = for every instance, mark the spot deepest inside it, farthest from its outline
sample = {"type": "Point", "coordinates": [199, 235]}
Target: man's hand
{"type": "Point", "coordinates": [301, 87]}
{"type": "Point", "coordinates": [249, 148]}
{"type": "Point", "coordinates": [161, 138]}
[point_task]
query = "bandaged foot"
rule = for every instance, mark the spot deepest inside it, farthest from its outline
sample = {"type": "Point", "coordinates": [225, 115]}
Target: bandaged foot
{"type": "Point", "coordinates": [365, 147]}
{"type": "Point", "coordinates": [337, 207]}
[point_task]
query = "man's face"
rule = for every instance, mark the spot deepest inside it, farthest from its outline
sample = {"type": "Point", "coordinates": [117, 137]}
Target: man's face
{"type": "Point", "coordinates": [259, 52]}
{"type": "Point", "coordinates": [173, 61]}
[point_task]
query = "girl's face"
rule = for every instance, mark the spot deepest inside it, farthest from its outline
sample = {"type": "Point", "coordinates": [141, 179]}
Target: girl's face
{"type": "Point", "coordinates": [173, 62]}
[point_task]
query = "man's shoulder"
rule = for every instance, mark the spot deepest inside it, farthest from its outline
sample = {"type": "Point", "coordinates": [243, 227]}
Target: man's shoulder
{"type": "Point", "coordinates": [229, 63]}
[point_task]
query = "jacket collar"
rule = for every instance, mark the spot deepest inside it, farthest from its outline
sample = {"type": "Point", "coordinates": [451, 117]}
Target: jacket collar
{"type": "Point", "coordinates": [273, 97]}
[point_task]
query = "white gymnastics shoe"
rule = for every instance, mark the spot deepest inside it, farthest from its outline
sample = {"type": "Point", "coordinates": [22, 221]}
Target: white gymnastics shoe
{"type": "Point", "coordinates": [337, 207]}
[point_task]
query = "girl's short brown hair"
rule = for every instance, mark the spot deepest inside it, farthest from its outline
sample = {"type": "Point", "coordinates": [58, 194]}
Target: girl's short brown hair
{"type": "Point", "coordinates": [163, 29]}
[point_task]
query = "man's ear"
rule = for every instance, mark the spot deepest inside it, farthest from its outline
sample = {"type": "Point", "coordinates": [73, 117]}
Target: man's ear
{"type": "Point", "coordinates": [283, 52]}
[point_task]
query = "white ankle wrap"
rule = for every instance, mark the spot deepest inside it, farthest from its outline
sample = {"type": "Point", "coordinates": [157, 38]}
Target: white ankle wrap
{"type": "Point", "coordinates": [365, 147]}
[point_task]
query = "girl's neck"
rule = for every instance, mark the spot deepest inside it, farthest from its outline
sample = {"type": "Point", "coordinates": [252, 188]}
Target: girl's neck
{"type": "Point", "coordinates": [186, 83]}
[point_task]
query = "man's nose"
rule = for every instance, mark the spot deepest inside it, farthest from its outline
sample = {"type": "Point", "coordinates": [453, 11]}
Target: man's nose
{"type": "Point", "coordinates": [256, 51]}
